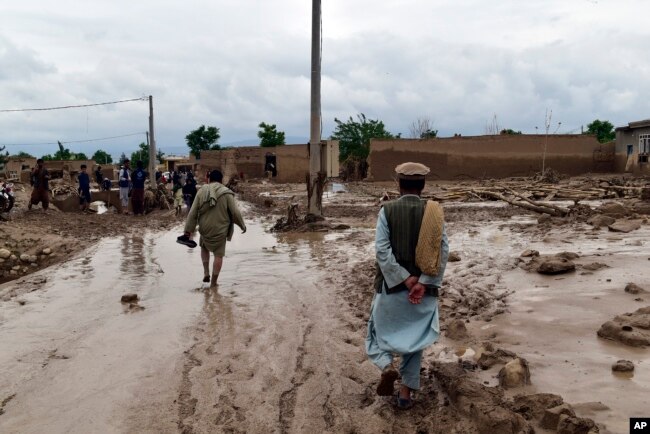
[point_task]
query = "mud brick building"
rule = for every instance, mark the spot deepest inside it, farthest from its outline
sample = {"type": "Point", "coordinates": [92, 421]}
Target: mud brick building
{"type": "Point", "coordinates": [633, 147]}
{"type": "Point", "coordinates": [15, 166]}
{"type": "Point", "coordinates": [287, 163]}
{"type": "Point", "coordinates": [497, 156]}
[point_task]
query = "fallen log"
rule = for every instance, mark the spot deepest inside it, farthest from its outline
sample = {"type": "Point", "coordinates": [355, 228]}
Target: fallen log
{"type": "Point", "coordinates": [530, 205]}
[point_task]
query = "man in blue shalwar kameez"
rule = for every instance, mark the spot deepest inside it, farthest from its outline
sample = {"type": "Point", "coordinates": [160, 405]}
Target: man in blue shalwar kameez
{"type": "Point", "coordinates": [404, 312]}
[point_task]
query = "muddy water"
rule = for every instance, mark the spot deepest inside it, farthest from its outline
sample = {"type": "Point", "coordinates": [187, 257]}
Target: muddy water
{"type": "Point", "coordinates": [554, 319]}
{"type": "Point", "coordinates": [272, 350]}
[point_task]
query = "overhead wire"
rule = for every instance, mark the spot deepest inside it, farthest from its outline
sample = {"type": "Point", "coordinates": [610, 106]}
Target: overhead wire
{"type": "Point", "coordinates": [143, 98]}
{"type": "Point", "coordinates": [73, 141]}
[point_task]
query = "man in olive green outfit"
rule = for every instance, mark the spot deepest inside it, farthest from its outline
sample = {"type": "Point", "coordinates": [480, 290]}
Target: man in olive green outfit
{"type": "Point", "coordinates": [216, 212]}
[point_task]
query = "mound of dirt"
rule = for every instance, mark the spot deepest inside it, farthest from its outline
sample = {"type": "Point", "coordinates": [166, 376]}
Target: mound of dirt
{"type": "Point", "coordinates": [631, 329]}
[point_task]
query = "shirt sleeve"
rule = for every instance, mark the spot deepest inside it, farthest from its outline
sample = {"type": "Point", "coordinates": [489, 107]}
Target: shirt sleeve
{"type": "Point", "coordinates": [193, 215]}
{"type": "Point", "coordinates": [425, 279]}
{"type": "Point", "coordinates": [236, 214]}
{"type": "Point", "coordinates": [394, 274]}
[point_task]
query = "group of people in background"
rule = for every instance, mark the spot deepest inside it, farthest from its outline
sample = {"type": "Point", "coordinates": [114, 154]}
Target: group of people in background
{"type": "Point", "coordinates": [131, 185]}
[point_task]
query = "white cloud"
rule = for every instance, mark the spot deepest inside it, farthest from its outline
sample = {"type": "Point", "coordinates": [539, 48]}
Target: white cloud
{"type": "Point", "coordinates": [233, 64]}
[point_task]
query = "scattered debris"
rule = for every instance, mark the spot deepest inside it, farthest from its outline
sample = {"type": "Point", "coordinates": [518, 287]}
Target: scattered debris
{"type": "Point", "coordinates": [625, 226]}
{"type": "Point", "coordinates": [623, 366]}
{"type": "Point", "coordinates": [631, 329]}
{"type": "Point", "coordinates": [130, 298]}
{"type": "Point", "coordinates": [515, 373]}
{"type": "Point", "coordinates": [633, 288]}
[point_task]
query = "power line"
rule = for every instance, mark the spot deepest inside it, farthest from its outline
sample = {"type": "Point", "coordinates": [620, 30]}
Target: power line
{"type": "Point", "coordinates": [73, 106]}
{"type": "Point", "coordinates": [72, 141]}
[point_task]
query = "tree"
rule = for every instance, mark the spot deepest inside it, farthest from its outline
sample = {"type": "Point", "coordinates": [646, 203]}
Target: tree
{"type": "Point", "coordinates": [422, 128]}
{"type": "Point", "coordinates": [270, 136]}
{"type": "Point", "coordinates": [122, 158]}
{"type": "Point", "coordinates": [79, 156]}
{"type": "Point", "coordinates": [509, 131]}
{"type": "Point", "coordinates": [143, 154]}
{"type": "Point", "coordinates": [102, 157]}
{"type": "Point", "coordinates": [22, 154]}
{"type": "Point", "coordinates": [203, 139]}
{"type": "Point", "coordinates": [354, 136]}
{"type": "Point", "coordinates": [603, 130]}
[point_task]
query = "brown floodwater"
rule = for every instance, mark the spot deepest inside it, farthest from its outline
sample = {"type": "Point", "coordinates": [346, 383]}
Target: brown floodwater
{"type": "Point", "coordinates": [553, 320]}
{"type": "Point", "coordinates": [75, 359]}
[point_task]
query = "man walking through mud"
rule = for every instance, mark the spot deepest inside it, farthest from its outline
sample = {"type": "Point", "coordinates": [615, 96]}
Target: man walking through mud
{"type": "Point", "coordinates": [125, 185]}
{"type": "Point", "coordinates": [215, 211]}
{"type": "Point", "coordinates": [40, 182]}
{"type": "Point", "coordinates": [411, 250]}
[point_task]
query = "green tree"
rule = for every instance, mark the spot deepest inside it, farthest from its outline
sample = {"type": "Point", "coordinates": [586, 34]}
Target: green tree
{"type": "Point", "coordinates": [354, 136]}
{"type": "Point", "coordinates": [604, 130]}
{"type": "Point", "coordinates": [102, 157]}
{"type": "Point", "coordinates": [509, 131]}
{"type": "Point", "coordinates": [22, 154]}
{"type": "Point", "coordinates": [79, 156]}
{"type": "Point", "coordinates": [143, 154]}
{"type": "Point", "coordinates": [203, 139]}
{"type": "Point", "coordinates": [270, 136]}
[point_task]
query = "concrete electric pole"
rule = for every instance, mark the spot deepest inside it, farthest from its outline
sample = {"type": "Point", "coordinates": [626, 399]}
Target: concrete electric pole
{"type": "Point", "coordinates": [314, 186]}
{"type": "Point", "coordinates": [152, 142]}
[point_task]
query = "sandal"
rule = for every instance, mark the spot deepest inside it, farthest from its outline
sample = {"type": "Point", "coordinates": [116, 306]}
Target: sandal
{"type": "Point", "coordinates": [386, 385]}
{"type": "Point", "coordinates": [206, 279]}
{"type": "Point", "coordinates": [185, 240]}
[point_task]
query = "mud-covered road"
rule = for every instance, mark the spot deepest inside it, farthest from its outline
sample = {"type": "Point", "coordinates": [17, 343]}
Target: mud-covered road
{"type": "Point", "coordinates": [270, 351]}
{"type": "Point", "coordinates": [279, 347]}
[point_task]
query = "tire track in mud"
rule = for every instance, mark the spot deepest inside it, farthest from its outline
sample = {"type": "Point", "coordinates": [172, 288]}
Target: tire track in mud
{"type": "Point", "coordinates": [288, 398]}
{"type": "Point", "coordinates": [186, 402]}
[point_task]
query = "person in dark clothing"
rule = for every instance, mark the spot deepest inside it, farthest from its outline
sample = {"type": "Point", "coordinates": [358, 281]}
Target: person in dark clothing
{"type": "Point", "coordinates": [137, 194]}
{"type": "Point", "coordinates": [99, 176]}
{"type": "Point", "coordinates": [158, 176]}
{"type": "Point", "coordinates": [84, 188]}
{"type": "Point", "coordinates": [40, 181]}
{"type": "Point", "coordinates": [189, 190]}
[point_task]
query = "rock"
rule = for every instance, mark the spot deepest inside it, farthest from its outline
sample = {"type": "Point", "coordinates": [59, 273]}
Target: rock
{"type": "Point", "coordinates": [13, 257]}
{"type": "Point", "coordinates": [642, 207]}
{"type": "Point", "coordinates": [532, 407]}
{"type": "Point", "coordinates": [633, 288]}
{"type": "Point", "coordinates": [594, 266]}
{"type": "Point", "coordinates": [453, 257]}
{"type": "Point", "coordinates": [456, 330]}
{"type": "Point", "coordinates": [600, 220]}
{"type": "Point", "coordinates": [33, 259]}
{"type": "Point", "coordinates": [631, 329]}
{"type": "Point", "coordinates": [130, 298]}
{"type": "Point", "coordinates": [5, 254]}
{"type": "Point", "coordinates": [576, 425]}
{"type": "Point", "coordinates": [623, 366]}
{"type": "Point", "coordinates": [491, 358]}
{"type": "Point", "coordinates": [514, 374]}
{"type": "Point", "coordinates": [625, 226]}
{"type": "Point", "coordinates": [25, 257]}
{"type": "Point", "coordinates": [613, 209]}
{"type": "Point", "coordinates": [529, 253]}
{"type": "Point", "coordinates": [551, 418]}
{"type": "Point", "coordinates": [47, 251]}
{"type": "Point", "coordinates": [567, 255]}
{"type": "Point", "coordinates": [13, 272]}
{"type": "Point", "coordinates": [544, 218]}
{"type": "Point", "coordinates": [15, 267]}
{"type": "Point", "coordinates": [1, 260]}
{"type": "Point", "coordinates": [556, 266]}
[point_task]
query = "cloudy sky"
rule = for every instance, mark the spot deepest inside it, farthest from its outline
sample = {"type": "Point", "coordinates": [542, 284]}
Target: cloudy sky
{"type": "Point", "coordinates": [235, 63]}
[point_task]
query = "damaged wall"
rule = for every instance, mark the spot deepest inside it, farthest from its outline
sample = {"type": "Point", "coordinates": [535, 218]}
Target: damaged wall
{"type": "Point", "coordinates": [292, 161]}
{"type": "Point", "coordinates": [491, 156]}
{"type": "Point", "coordinates": [633, 147]}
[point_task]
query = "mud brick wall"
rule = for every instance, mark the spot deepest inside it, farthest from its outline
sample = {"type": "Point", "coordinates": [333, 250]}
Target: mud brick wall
{"type": "Point", "coordinates": [491, 156]}
{"type": "Point", "coordinates": [292, 162]}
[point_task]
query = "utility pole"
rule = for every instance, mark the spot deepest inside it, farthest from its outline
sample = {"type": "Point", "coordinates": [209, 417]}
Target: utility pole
{"type": "Point", "coordinates": [314, 188]}
{"type": "Point", "coordinates": [152, 142]}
